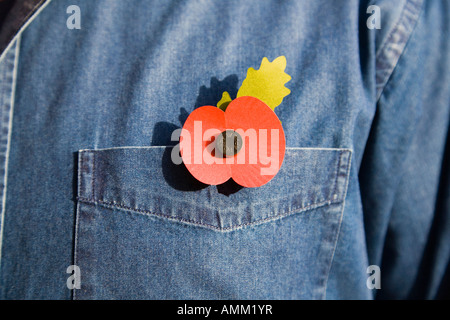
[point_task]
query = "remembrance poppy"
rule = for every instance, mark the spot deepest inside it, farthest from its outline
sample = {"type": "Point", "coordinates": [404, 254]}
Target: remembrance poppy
{"type": "Point", "coordinates": [240, 139]}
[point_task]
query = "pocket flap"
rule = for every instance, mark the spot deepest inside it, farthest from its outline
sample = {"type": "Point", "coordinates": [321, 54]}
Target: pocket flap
{"type": "Point", "coordinates": [145, 180]}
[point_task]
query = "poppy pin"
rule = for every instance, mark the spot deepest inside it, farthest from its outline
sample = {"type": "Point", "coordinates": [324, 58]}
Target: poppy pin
{"type": "Point", "coordinates": [241, 139]}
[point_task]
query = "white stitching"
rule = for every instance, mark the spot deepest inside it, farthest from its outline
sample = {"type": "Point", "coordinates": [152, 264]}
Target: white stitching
{"type": "Point", "coordinates": [236, 227]}
{"type": "Point", "coordinates": [8, 144]}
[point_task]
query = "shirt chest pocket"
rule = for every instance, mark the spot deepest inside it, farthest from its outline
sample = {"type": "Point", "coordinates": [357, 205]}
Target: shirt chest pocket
{"type": "Point", "coordinates": [147, 230]}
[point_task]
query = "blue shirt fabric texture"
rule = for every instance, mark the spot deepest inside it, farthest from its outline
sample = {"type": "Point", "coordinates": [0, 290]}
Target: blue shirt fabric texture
{"type": "Point", "coordinates": [86, 177]}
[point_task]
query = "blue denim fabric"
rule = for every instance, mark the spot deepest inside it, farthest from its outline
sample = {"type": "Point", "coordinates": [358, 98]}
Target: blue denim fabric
{"type": "Point", "coordinates": [89, 181]}
{"type": "Point", "coordinates": [175, 244]}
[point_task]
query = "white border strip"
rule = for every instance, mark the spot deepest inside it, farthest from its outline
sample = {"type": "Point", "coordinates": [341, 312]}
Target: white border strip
{"type": "Point", "coordinates": [8, 143]}
{"type": "Point", "coordinates": [26, 24]}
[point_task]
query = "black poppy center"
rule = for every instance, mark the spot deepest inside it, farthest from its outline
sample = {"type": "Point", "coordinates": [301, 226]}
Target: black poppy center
{"type": "Point", "coordinates": [228, 144]}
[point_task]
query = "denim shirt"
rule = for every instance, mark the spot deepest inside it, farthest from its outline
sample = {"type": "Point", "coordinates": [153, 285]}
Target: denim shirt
{"type": "Point", "coordinates": [86, 177]}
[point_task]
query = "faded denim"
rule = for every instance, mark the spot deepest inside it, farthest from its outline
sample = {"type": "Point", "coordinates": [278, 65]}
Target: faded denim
{"type": "Point", "coordinates": [87, 117]}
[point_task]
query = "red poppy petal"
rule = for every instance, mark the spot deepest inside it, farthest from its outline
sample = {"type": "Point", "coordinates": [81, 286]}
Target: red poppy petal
{"type": "Point", "coordinates": [202, 125]}
{"type": "Point", "coordinates": [264, 141]}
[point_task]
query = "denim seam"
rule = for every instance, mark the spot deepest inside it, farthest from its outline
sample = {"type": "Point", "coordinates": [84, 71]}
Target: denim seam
{"type": "Point", "coordinates": [93, 176]}
{"type": "Point", "coordinates": [386, 59]}
{"type": "Point", "coordinates": [12, 85]}
{"type": "Point", "coordinates": [77, 217]}
{"type": "Point", "coordinates": [75, 248]}
{"type": "Point", "coordinates": [386, 42]}
{"type": "Point", "coordinates": [333, 193]}
{"type": "Point", "coordinates": [159, 147]}
{"type": "Point", "coordinates": [347, 175]}
{"type": "Point", "coordinates": [112, 205]}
